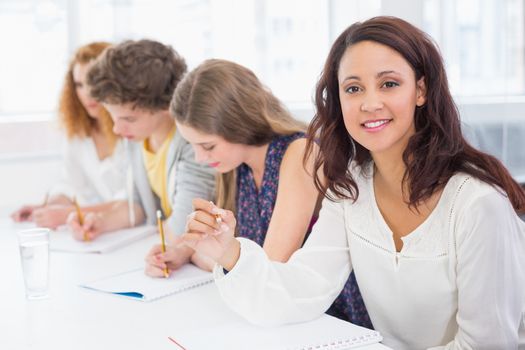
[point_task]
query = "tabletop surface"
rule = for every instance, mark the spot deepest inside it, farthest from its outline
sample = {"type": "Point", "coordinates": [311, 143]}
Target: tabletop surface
{"type": "Point", "coordinates": [78, 318]}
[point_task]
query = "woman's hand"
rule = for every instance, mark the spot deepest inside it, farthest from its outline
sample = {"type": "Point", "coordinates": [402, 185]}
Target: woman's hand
{"type": "Point", "coordinates": [52, 216]}
{"type": "Point", "coordinates": [91, 229]}
{"type": "Point", "coordinates": [210, 232]}
{"type": "Point", "coordinates": [25, 213]}
{"type": "Point", "coordinates": [175, 256]}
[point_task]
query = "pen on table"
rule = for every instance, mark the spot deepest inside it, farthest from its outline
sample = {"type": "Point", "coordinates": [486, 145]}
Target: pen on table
{"type": "Point", "coordinates": [177, 343]}
{"type": "Point", "coordinates": [80, 217]}
{"type": "Point", "coordinates": [162, 240]}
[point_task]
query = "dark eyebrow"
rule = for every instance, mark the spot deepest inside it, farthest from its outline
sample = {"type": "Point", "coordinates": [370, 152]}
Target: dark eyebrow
{"type": "Point", "coordinates": [352, 77]}
{"type": "Point", "coordinates": [386, 72]}
{"type": "Point", "coordinates": [378, 75]}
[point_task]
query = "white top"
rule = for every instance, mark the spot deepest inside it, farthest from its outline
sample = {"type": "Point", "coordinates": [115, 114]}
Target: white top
{"type": "Point", "coordinates": [90, 179]}
{"type": "Point", "coordinates": [457, 283]}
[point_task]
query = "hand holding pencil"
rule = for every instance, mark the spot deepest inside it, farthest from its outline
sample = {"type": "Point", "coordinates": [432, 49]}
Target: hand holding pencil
{"type": "Point", "coordinates": [162, 240]}
{"type": "Point", "coordinates": [211, 232]}
{"type": "Point", "coordinates": [81, 221]}
{"type": "Point", "coordinates": [85, 227]}
{"type": "Point", "coordinates": [166, 257]}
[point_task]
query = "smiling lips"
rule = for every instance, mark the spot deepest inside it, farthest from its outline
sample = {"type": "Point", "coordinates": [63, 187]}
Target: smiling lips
{"type": "Point", "coordinates": [214, 165]}
{"type": "Point", "coordinates": [375, 125]}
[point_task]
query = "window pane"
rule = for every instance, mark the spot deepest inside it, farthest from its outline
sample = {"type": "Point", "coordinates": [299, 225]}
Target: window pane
{"type": "Point", "coordinates": [284, 42]}
{"type": "Point", "coordinates": [34, 38]}
{"type": "Point", "coordinates": [483, 43]}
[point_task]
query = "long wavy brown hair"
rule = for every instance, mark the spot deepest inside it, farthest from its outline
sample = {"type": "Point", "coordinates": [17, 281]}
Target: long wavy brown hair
{"type": "Point", "coordinates": [434, 153]}
{"type": "Point", "coordinates": [72, 114]}
{"type": "Point", "coordinates": [223, 98]}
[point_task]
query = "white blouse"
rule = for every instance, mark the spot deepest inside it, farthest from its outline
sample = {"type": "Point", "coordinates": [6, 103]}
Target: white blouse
{"type": "Point", "coordinates": [457, 283]}
{"type": "Point", "coordinates": [90, 179]}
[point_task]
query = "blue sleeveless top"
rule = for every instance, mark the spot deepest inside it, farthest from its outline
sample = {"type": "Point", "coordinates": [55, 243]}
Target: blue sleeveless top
{"type": "Point", "coordinates": [255, 209]}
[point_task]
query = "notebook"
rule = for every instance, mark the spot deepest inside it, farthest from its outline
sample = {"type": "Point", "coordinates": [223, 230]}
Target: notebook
{"type": "Point", "coordinates": [136, 285]}
{"type": "Point", "coordinates": [63, 241]}
{"type": "Point", "coordinates": [324, 333]}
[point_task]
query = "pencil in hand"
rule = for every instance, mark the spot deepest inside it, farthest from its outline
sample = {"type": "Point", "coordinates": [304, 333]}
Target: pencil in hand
{"type": "Point", "coordinates": [46, 199]}
{"type": "Point", "coordinates": [162, 240]}
{"type": "Point", "coordinates": [80, 216]}
{"type": "Point", "coordinates": [217, 216]}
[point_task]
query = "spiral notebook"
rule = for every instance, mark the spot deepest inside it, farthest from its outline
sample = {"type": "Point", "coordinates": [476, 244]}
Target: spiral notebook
{"type": "Point", "coordinates": [324, 333]}
{"type": "Point", "coordinates": [63, 241]}
{"type": "Point", "coordinates": [136, 285]}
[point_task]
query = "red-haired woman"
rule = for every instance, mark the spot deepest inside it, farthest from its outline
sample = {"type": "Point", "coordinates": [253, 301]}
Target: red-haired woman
{"type": "Point", "coordinates": [94, 160]}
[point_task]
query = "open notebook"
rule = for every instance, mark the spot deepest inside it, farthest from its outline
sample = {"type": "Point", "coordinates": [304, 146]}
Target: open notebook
{"type": "Point", "coordinates": [324, 333]}
{"type": "Point", "coordinates": [136, 285]}
{"type": "Point", "coordinates": [63, 241]}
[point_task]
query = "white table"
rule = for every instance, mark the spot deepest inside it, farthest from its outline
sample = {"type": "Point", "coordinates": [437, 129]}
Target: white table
{"type": "Point", "coordinates": [77, 318]}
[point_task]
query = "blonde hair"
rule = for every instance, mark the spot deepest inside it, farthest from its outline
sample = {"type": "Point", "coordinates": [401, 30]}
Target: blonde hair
{"type": "Point", "coordinates": [73, 116]}
{"type": "Point", "coordinates": [223, 98]}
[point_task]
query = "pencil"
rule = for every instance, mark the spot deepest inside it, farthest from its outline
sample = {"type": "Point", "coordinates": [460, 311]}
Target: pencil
{"type": "Point", "coordinates": [162, 240]}
{"type": "Point", "coordinates": [46, 199]}
{"type": "Point", "coordinates": [80, 218]}
{"type": "Point", "coordinates": [218, 217]}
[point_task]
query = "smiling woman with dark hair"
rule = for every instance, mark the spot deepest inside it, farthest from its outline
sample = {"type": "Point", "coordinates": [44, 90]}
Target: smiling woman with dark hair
{"type": "Point", "coordinates": [427, 223]}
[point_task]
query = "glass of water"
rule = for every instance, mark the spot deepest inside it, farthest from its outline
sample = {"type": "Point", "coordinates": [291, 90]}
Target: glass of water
{"type": "Point", "coordinates": [34, 255]}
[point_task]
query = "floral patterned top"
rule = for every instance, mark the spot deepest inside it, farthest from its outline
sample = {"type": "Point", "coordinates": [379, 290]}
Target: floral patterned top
{"type": "Point", "coordinates": [255, 207]}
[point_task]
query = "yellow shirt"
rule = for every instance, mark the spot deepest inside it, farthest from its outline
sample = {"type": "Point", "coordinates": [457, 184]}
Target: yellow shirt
{"type": "Point", "coordinates": [155, 164]}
